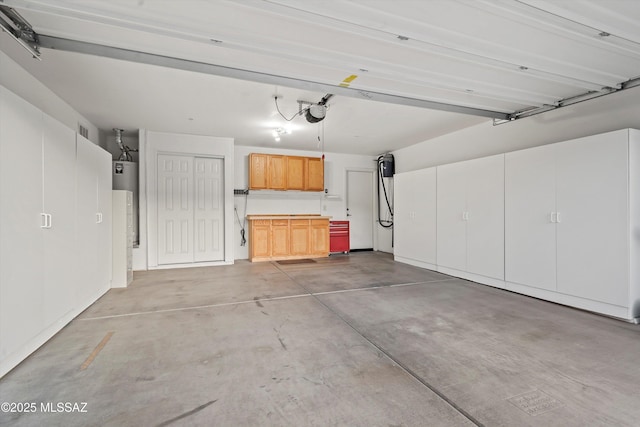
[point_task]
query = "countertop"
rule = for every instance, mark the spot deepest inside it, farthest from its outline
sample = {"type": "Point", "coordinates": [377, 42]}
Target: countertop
{"type": "Point", "coordinates": [284, 216]}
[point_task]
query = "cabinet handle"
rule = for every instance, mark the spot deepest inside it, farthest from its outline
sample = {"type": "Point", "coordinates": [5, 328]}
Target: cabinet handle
{"type": "Point", "coordinates": [43, 220]}
{"type": "Point", "coordinates": [558, 217]}
{"type": "Point", "coordinates": [49, 221]}
{"type": "Point", "coordinates": [553, 217]}
{"type": "Point", "coordinates": [98, 218]}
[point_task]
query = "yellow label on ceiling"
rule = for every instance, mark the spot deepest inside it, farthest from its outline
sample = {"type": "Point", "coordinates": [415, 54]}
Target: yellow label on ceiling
{"type": "Point", "coordinates": [346, 82]}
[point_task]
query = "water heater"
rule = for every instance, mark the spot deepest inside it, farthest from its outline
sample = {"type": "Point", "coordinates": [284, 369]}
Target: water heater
{"type": "Point", "coordinates": [125, 177]}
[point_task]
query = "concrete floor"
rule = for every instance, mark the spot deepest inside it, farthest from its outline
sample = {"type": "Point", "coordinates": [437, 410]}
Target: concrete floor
{"type": "Point", "coordinates": [352, 340]}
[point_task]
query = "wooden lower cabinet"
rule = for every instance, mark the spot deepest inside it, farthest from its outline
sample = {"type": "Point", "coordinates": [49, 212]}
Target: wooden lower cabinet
{"type": "Point", "coordinates": [260, 239]}
{"type": "Point", "coordinates": [319, 237]}
{"type": "Point", "coordinates": [294, 238]}
{"type": "Point", "coordinates": [280, 237]}
{"type": "Point", "coordinates": [299, 237]}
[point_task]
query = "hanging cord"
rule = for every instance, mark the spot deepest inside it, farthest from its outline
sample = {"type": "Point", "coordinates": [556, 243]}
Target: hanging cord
{"type": "Point", "coordinates": [292, 117]}
{"type": "Point", "coordinates": [243, 224]}
{"type": "Point", "coordinates": [383, 223]}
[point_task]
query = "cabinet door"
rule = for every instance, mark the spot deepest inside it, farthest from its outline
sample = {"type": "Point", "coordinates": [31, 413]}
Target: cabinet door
{"type": "Point", "coordinates": [21, 238]}
{"type": "Point", "coordinates": [299, 235]}
{"type": "Point", "coordinates": [415, 215]}
{"type": "Point", "coordinates": [314, 174]}
{"type": "Point", "coordinates": [530, 236]}
{"type": "Point", "coordinates": [105, 231]}
{"type": "Point", "coordinates": [277, 173]}
{"type": "Point", "coordinates": [295, 172]}
{"type": "Point", "coordinates": [319, 237]}
{"type": "Point", "coordinates": [59, 150]}
{"type": "Point", "coordinates": [485, 218]}
{"type": "Point", "coordinates": [87, 219]}
{"type": "Point", "coordinates": [452, 226]}
{"type": "Point", "coordinates": [258, 171]}
{"type": "Point", "coordinates": [260, 239]}
{"type": "Point", "coordinates": [280, 237]}
{"type": "Point", "coordinates": [592, 229]}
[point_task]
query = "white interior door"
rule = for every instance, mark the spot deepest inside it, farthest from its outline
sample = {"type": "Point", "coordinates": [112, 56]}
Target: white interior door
{"type": "Point", "coordinates": [175, 209]}
{"type": "Point", "coordinates": [209, 210]}
{"type": "Point", "coordinates": [530, 236]}
{"type": "Point", "coordinates": [360, 208]}
{"type": "Point", "coordinates": [592, 231]}
{"type": "Point", "coordinates": [451, 220]}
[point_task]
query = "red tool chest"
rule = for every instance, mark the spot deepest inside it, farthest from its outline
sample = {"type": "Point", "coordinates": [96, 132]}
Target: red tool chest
{"type": "Point", "coordinates": [339, 236]}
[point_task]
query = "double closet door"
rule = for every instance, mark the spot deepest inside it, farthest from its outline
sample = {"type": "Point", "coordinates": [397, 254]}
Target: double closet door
{"type": "Point", "coordinates": [190, 209]}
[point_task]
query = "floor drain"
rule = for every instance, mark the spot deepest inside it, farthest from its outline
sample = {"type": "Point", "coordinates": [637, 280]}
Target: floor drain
{"type": "Point", "coordinates": [535, 402]}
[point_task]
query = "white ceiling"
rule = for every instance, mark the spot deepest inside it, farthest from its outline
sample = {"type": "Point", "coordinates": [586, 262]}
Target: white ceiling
{"type": "Point", "coordinates": [503, 56]}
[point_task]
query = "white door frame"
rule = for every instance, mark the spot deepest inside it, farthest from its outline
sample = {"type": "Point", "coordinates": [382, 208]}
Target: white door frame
{"type": "Point", "coordinates": [373, 198]}
{"type": "Point", "coordinates": [155, 143]}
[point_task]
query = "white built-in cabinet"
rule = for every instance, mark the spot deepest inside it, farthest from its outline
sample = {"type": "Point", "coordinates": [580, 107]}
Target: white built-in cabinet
{"type": "Point", "coordinates": [470, 218]}
{"type": "Point", "coordinates": [93, 220]}
{"type": "Point", "coordinates": [122, 242]}
{"type": "Point", "coordinates": [414, 204]}
{"type": "Point", "coordinates": [43, 244]}
{"type": "Point", "coordinates": [568, 223]}
{"type": "Point", "coordinates": [559, 222]}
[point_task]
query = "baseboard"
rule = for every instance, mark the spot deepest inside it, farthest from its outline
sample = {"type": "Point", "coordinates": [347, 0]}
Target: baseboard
{"type": "Point", "coordinates": [415, 263]}
{"type": "Point", "coordinates": [16, 357]}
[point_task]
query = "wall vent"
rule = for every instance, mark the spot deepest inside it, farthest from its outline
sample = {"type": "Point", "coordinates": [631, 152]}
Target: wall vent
{"type": "Point", "coordinates": [83, 131]}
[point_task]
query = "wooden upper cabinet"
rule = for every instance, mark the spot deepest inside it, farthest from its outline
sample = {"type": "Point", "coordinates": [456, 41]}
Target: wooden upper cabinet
{"type": "Point", "coordinates": [314, 174]}
{"type": "Point", "coordinates": [277, 172]}
{"type": "Point", "coordinates": [296, 167]}
{"type": "Point", "coordinates": [258, 164]}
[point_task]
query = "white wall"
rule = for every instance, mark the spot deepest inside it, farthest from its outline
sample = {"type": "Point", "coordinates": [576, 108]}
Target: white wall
{"type": "Point", "coordinates": [616, 111]}
{"type": "Point", "coordinates": [291, 202]}
{"type": "Point", "coordinates": [19, 81]}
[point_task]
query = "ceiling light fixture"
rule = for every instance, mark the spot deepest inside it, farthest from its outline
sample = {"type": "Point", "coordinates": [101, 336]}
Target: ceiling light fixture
{"type": "Point", "coordinates": [278, 132]}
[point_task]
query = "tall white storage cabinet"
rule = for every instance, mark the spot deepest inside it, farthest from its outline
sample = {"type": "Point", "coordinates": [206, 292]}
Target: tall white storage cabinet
{"type": "Point", "coordinates": [122, 241]}
{"type": "Point", "coordinates": [59, 204]}
{"type": "Point", "coordinates": [572, 232]}
{"type": "Point", "coordinates": [470, 219]}
{"type": "Point", "coordinates": [41, 244]}
{"type": "Point", "coordinates": [414, 200]}
{"type": "Point", "coordinates": [21, 229]}
{"type": "Point", "coordinates": [93, 220]}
